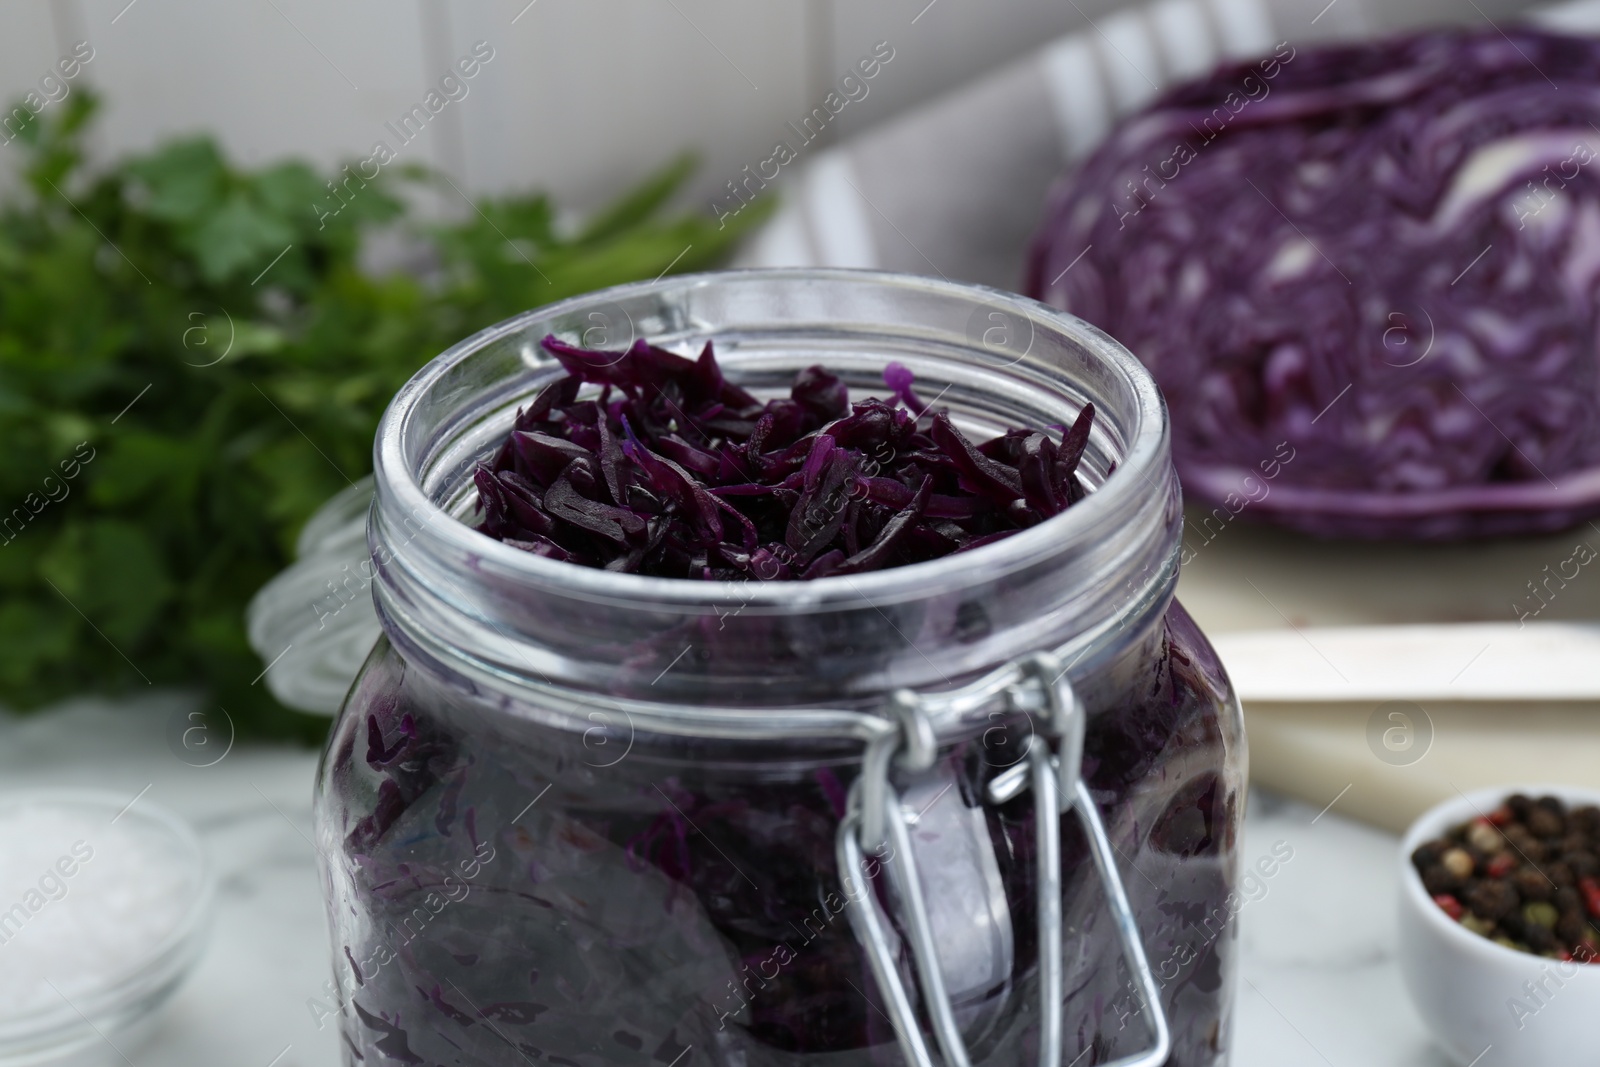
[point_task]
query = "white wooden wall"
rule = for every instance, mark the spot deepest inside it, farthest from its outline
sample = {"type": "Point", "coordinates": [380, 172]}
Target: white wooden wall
{"type": "Point", "coordinates": [581, 98]}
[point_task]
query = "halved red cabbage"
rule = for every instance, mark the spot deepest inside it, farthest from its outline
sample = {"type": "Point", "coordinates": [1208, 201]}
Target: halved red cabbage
{"type": "Point", "coordinates": [1364, 277]}
{"type": "Point", "coordinates": [673, 471]}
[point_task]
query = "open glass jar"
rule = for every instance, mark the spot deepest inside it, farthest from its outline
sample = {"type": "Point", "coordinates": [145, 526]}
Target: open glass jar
{"type": "Point", "coordinates": [579, 817]}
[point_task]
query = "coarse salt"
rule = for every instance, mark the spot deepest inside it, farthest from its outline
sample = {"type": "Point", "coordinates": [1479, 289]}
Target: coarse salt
{"type": "Point", "coordinates": [85, 900]}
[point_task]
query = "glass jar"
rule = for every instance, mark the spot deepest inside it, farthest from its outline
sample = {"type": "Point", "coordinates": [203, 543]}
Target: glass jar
{"type": "Point", "coordinates": [575, 817]}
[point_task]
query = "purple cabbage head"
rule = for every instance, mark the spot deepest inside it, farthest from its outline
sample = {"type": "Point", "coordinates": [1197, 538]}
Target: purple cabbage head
{"type": "Point", "coordinates": [1364, 277]}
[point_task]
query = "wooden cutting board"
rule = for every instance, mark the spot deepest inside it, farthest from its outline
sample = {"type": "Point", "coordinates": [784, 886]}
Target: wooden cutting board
{"type": "Point", "coordinates": [1250, 578]}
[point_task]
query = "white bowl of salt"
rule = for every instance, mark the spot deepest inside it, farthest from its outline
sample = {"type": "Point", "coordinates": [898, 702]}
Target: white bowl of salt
{"type": "Point", "coordinates": [103, 910]}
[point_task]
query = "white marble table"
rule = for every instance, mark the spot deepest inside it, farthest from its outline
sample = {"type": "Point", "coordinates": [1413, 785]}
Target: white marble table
{"type": "Point", "coordinates": [1320, 983]}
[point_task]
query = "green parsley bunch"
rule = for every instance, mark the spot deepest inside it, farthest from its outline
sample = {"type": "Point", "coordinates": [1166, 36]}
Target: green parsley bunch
{"type": "Point", "coordinates": [190, 363]}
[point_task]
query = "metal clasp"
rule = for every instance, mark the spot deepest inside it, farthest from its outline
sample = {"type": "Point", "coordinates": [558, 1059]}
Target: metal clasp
{"type": "Point", "coordinates": [1038, 686]}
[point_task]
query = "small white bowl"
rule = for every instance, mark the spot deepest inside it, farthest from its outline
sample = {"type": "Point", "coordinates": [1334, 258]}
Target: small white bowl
{"type": "Point", "coordinates": [1488, 1005]}
{"type": "Point", "coordinates": [118, 915]}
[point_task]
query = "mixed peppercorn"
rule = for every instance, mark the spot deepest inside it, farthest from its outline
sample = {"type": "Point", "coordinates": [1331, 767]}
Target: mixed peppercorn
{"type": "Point", "coordinates": [1527, 876]}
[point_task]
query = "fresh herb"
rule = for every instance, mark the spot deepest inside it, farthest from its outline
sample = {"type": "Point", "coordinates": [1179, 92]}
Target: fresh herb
{"type": "Point", "coordinates": [190, 363]}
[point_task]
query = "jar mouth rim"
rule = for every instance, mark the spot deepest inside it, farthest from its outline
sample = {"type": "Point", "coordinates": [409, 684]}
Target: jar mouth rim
{"type": "Point", "coordinates": [1141, 466]}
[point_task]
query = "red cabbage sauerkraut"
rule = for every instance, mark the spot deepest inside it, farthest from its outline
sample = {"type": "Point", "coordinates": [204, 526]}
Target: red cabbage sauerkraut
{"type": "Point", "coordinates": [511, 881]}
{"type": "Point", "coordinates": [673, 471]}
{"type": "Point", "coordinates": [504, 891]}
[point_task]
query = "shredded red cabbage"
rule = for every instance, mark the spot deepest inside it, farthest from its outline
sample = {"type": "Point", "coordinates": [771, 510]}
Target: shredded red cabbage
{"type": "Point", "coordinates": [673, 471]}
{"type": "Point", "coordinates": [1379, 259]}
{"type": "Point", "coordinates": [682, 906]}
